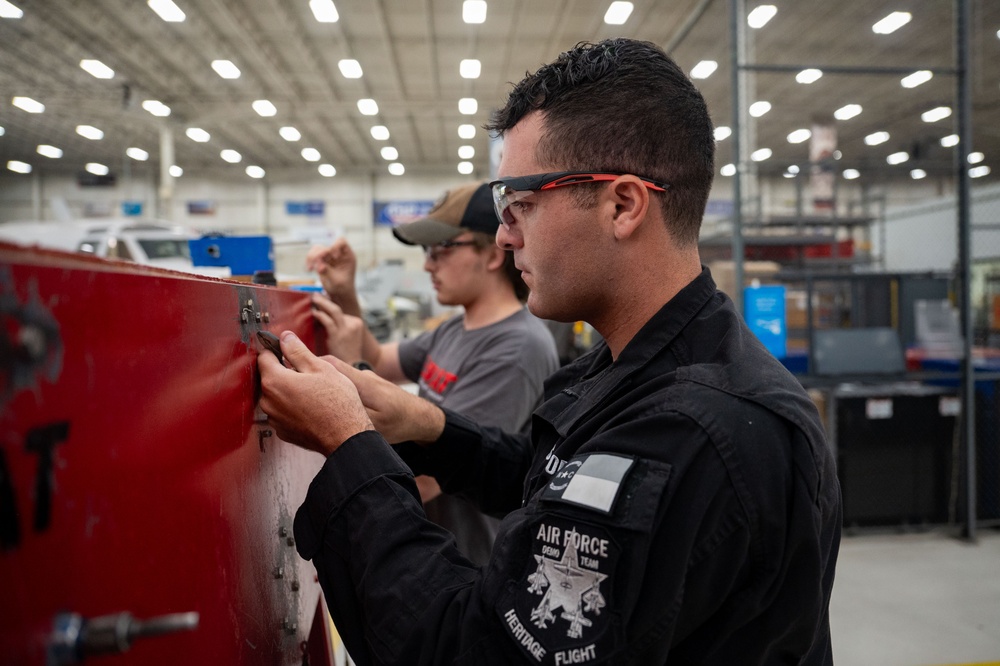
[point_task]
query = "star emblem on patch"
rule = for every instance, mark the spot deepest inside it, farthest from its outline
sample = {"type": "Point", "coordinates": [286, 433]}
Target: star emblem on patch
{"type": "Point", "coordinates": [567, 587]}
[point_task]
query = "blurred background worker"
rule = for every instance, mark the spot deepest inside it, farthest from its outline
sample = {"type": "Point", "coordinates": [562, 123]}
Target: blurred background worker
{"type": "Point", "coordinates": [487, 363]}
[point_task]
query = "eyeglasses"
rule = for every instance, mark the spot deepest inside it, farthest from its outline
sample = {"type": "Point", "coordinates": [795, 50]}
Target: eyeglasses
{"type": "Point", "coordinates": [443, 249]}
{"type": "Point", "coordinates": [507, 191]}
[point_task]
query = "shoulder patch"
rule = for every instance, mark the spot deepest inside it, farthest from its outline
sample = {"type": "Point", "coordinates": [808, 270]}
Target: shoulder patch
{"type": "Point", "coordinates": [591, 480]}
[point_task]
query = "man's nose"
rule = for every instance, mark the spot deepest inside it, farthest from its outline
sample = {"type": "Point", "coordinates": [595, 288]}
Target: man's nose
{"type": "Point", "coordinates": [508, 239]}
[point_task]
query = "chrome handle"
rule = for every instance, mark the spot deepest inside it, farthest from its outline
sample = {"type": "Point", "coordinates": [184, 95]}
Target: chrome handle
{"type": "Point", "coordinates": [75, 638]}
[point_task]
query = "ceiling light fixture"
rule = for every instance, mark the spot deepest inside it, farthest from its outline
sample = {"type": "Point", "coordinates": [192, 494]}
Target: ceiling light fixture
{"type": "Point", "coordinates": [289, 133]}
{"type": "Point", "coordinates": [138, 154]}
{"type": "Point", "coordinates": [175, 171]}
{"type": "Point", "coordinates": [49, 151]}
{"type": "Point", "coordinates": [761, 154]}
{"type": "Point", "coordinates": [759, 17]}
{"type": "Point", "coordinates": [974, 172]}
{"type": "Point", "coordinates": [198, 134]}
{"type": "Point", "coordinates": [917, 78]}
{"type": "Point", "coordinates": [167, 10]}
{"type": "Point", "coordinates": [97, 169]}
{"type": "Point", "coordinates": [891, 23]}
{"type": "Point", "coordinates": [28, 104]}
{"type": "Point", "coordinates": [876, 138]}
{"type": "Point", "coordinates": [474, 11]}
{"type": "Point", "coordinates": [7, 10]}
{"type": "Point", "coordinates": [757, 109]}
{"type": "Point", "coordinates": [898, 158]}
{"type": "Point", "coordinates": [397, 169]}
{"type": "Point", "coordinates": [949, 141]}
{"type": "Point", "coordinates": [799, 136]}
{"type": "Point", "coordinates": [156, 107]}
{"type": "Point", "coordinates": [465, 168]}
{"type": "Point", "coordinates": [324, 11]}
{"type": "Point", "coordinates": [618, 13]}
{"type": "Point", "coordinates": [470, 68]}
{"type": "Point", "coordinates": [264, 108]}
{"type": "Point", "coordinates": [722, 132]}
{"type": "Point", "coordinates": [851, 174]}
{"type": "Point", "coordinates": [89, 132]}
{"type": "Point", "coordinates": [468, 106]}
{"type": "Point", "coordinates": [976, 158]}
{"type": "Point", "coordinates": [466, 131]}
{"type": "Point", "coordinates": [351, 69]}
{"type": "Point", "coordinates": [847, 112]}
{"type": "Point", "coordinates": [466, 152]}
{"type": "Point", "coordinates": [231, 156]}
{"type": "Point", "coordinates": [18, 166]}
{"type": "Point", "coordinates": [310, 155]}
{"type": "Point", "coordinates": [389, 154]}
{"type": "Point", "coordinates": [367, 107]}
{"type": "Point", "coordinates": [936, 114]}
{"type": "Point", "coordinates": [226, 69]}
{"type": "Point", "coordinates": [728, 170]}
{"type": "Point", "coordinates": [704, 69]}
{"type": "Point", "coordinates": [808, 76]}
{"type": "Point", "coordinates": [327, 170]}
{"type": "Point", "coordinates": [380, 132]}
{"type": "Point", "coordinates": [97, 69]}
{"type": "Point", "coordinates": [918, 174]}
{"type": "Point", "coordinates": [255, 172]}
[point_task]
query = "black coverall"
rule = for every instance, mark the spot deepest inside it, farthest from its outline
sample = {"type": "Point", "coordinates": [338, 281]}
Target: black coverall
{"type": "Point", "coordinates": [679, 506]}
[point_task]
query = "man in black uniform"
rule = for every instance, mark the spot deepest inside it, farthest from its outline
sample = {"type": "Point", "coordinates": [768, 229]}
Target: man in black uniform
{"type": "Point", "coordinates": [679, 504]}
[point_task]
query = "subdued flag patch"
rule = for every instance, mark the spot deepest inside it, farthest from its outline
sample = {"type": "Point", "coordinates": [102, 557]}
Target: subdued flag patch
{"type": "Point", "coordinates": [591, 480]}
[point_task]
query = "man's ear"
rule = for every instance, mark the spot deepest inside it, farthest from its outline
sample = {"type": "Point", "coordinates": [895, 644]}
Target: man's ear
{"type": "Point", "coordinates": [631, 200]}
{"type": "Point", "coordinates": [496, 257]}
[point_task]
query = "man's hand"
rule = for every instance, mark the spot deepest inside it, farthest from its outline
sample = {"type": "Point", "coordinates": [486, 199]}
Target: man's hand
{"type": "Point", "coordinates": [311, 403]}
{"type": "Point", "coordinates": [344, 333]}
{"type": "Point", "coordinates": [336, 266]}
{"type": "Point", "coordinates": [399, 415]}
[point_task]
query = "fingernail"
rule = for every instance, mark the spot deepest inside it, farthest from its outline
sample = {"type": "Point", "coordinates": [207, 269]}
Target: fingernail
{"type": "Point", "coordinates": [289, 336]}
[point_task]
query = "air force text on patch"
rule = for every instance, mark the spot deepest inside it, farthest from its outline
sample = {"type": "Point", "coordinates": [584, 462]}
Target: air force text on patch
{"type": "Point", "coordinates": [591, 481]}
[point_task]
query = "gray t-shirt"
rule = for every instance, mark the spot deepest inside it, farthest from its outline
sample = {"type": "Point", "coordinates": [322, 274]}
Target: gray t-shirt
{"type": "Point", "coordinates": [494, 376]}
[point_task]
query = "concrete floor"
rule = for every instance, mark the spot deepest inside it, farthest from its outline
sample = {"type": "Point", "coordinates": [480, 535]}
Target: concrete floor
{"type": "Point", "coordinates": [917, 600]}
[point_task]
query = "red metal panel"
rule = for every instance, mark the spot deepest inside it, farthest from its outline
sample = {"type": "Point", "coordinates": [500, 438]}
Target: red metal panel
{"type": "Point", "coordinates": [134, 472]}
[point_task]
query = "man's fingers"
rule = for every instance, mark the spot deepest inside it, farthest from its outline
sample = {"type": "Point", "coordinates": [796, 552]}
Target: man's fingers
{"type": "Point", "coordinates": [297, 355]}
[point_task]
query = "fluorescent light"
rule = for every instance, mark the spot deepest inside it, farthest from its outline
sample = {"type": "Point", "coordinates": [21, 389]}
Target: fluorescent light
{"type": "Point", "coordinates": [198, 134]}
{"type": "Point", "coordinates": [231, 156]}
{"type": "Point", "coordinates": [175, 171]}
{"type": "Point", "coordinates": [918, 174]}
{"type": "Point", "coordinates": [19, 166]}
{"type": "Point", "coordinates": [327, 170]}
{"type": "Point", "coordinates": [891, 23]}
{"type": "Point", "coordinates": [917, 78]}
{"type": "Point", "coordinates": [397, 169]}
{"type": "Point", "coordinates": [788, 174]}
{"type": "Point", "coordinates": [380, 132]}
{"type": "Point", "coordinates": [8, 10]}
{"type": "Point", "coordinates": [311, 155]}
{"type": "Point", "coordinates": [156, 107]}
{"type": "Point", "coordinates": [808, 76]}
{"type": "Point", "coordinates": [757, 109]}
{"type": "Point", "coordinates": [49, 151]}
{"type": "Point", "coordinates": [167, 10]}
{"type": "Point", "coordinates": [367, 107]}
{"type": "Point", "coordinates": [468, 106]}
{"type": "Point", "coordinates": [289, 133]}
{"type": "Point", "coordinates": [255, 171]}
{"type": "Point", "coordinates": [351, 69]}
{"type": "Point", "coordinates": [936, 114]}
{"type": "Point", "coordinates": [137, 154]}
{"type": "Point", "coordinates": [324, 11]}
{"type": "Point", "coordinates": [704, 69]}
{"type": "Point", "coordinates": [799, 135]}
{"type": "Point", "coordinates": [97, 169]}
{"type": "Point", "coordinates": [466, 152]}
{"type": "Point", "coordinates": [470, 68]}
{"type": "Point", "coordinates": [89, 132]}
{"type": "Point", "coordinates": [949, 141]}
{"type": "Point", "coordinates": [2, 131]}
{"type": "Point", "coordinates": [761, 154]}
{"type": "Point", "coordinates": [389, 153]}
{"type": "Point", "coordinates": [976, 158]}
{"type": "Point", "coordinates": [722, 132]}
{"type": "Point", "coordinates": [474, 11]}
{"type": "Point", "coordinates": [28, 104]}
{"type": "Point", "coordinates": [618, 13]}
{"type": "Point", "coordinates": [974, 172]}
{"type": "Point", "coordinates": [466, 131]}
{"type": "Point", "coordinates": [847, 112]}
{"type": "Point", "coordinates": [226, 69]}
{"type": "Point", "coordinates": [264, 108]}
{"type": "Point", "coordinates": [465, 168]}
{"type": "Point", "coordinates": [793, 169]}
{"type": "Point", "coordinates": [759, 17]}
{"type": "Point", "coordinates": [97, 69]}
{"type": "Point", "coordinates": [875, 138]}
{"type": "Point", "coordinates": [898, 158]}
{"type": "Point", "coordinates": [851, 174]}
{"type": "Point", "coordinates": [728, 170]}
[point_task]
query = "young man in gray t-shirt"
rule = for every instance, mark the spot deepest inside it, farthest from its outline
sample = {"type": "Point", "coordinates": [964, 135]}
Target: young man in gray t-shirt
{"type": "Point", "coordinates": [488, 363]}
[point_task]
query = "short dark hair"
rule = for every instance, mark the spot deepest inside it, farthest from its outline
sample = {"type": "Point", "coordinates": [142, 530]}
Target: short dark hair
{"type": "Point", "coordinates": [623, 106]}
{"type": "Point", "coordinates": [484, 241]}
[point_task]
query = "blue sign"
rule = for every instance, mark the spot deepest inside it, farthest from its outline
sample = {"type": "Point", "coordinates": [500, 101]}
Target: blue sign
{"type": "Point", "coordinates": [764, 311]}
{"type": "Point", "coordinates": [391, 213]}
{"type": "Point", "coordinates": [131, 208]}
{"type": "Point", "coordinates": [310, 208]}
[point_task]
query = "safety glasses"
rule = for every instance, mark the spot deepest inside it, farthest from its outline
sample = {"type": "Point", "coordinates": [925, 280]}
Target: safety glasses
{"type": "Point", "coordinates": [507, 191]}
{"type": "Point", "coordinates": [443, 249]}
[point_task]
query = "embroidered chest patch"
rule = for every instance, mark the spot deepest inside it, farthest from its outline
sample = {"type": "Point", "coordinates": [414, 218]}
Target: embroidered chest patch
{"type": "Point", "coordinates": [559, 611]}
{"type": "Point", "coordinates": [592, 481]}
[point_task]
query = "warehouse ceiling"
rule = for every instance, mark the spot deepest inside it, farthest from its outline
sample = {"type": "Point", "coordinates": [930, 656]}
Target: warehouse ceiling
{"type": "Point", "coordinates": [410, 52]}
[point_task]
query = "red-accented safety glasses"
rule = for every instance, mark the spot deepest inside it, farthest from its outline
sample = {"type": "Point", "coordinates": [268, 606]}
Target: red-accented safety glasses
{"type": "Point", "coordinates": [507, 191]}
